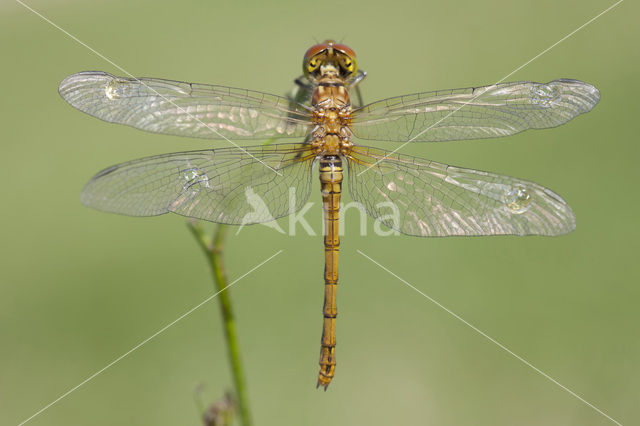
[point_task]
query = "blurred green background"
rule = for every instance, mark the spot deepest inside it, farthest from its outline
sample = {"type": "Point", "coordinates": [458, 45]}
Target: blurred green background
{"type": "Point", "coordinates": [79, 288]}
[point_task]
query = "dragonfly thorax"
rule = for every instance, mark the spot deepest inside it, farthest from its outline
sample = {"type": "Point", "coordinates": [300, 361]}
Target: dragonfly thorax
{"type": "Point", "coordinates": [331, 115]}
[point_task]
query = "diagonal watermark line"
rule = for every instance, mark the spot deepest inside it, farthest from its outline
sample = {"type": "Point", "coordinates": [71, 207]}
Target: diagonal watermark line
{"type": "Point", "coordinates": [497, 82]}
{"type": "Point", "coordinates": [163, 329]}
{"type": "Point", "coordinates": [181, 109]}
{"type": "Point", "coordinates": [559, 41]}
{"type": "Point", "coordinates": [494, 341]}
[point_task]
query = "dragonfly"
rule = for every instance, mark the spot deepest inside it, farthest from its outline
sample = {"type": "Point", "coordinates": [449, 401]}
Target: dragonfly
{"type": "Point", "coordinates": [255, 184]}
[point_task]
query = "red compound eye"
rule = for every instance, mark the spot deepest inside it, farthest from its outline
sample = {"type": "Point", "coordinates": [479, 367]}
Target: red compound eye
{"type": "Point", "coordinates": [315, 49]}
{"type": "Point", "coordinates": [345, 49]}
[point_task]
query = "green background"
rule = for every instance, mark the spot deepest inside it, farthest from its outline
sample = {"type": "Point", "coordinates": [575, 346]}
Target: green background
{"type": "Point", "coordinates": [78, 288]}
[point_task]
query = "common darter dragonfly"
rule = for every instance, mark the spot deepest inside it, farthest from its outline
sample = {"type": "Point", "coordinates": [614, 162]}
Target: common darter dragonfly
{"type": "Point", "coordinates": [432, 199]}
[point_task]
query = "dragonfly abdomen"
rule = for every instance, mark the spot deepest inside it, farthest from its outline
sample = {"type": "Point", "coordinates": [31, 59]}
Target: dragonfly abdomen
{"type": "Point", "coordinates": [331, 185]}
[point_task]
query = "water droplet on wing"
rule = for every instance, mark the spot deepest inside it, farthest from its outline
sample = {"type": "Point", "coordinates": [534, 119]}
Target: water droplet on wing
{"type": "Point", "coordinates": [545, 95]}
{"type": "Point", "coordinates": [112, 90]}
{"type": "Point", "coordinates": [194, 179]}
{"type": "Point", "coordinates": [518, 200]}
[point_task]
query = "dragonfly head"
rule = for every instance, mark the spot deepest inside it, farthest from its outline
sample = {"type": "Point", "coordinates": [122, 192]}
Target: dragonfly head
{"type": "Point", "coordinates": [329, 58]}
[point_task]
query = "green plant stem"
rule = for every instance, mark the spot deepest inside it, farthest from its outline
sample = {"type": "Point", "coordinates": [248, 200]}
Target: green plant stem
{"type": "Point", "coordinates": [213, 250]}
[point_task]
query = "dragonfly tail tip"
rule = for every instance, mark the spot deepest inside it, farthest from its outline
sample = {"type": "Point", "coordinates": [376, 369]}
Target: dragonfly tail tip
{"type": "Point", "coordinates": [323, 384]}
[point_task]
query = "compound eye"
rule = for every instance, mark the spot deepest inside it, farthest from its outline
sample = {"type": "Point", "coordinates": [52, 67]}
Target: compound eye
{"type": "Point", "coordinates": [313, 64]}
{"type": "Point", "coordinates": [348, 65]}
{"type": "Point", "coordinates": [345, 49]}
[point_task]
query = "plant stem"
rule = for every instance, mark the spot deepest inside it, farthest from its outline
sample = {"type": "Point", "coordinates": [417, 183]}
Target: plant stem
{"type": "Point", "coordinates": [213, 250]}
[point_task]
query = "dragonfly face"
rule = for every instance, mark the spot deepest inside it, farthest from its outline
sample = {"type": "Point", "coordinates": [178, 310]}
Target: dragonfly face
{"type": "Point", "coordinates": [245, 185]}
{"type": "Point", "coordinates": [327, 57]}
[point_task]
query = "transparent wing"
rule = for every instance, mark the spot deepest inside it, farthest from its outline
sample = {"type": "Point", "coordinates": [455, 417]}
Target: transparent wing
{"type": "Point", "coordinates": [185, 109]}
{"type": "Point", "coordinates": [474, 113]}
{"type": "Point", "coordinates": [424, 198]}
{"type": "Point", "coordinates": [223, 185]}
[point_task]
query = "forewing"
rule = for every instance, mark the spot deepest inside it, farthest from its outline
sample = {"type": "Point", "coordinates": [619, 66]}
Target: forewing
{"type": "Point", "coordinates": [424, 198]}
{"type": "Point", "coordinates": [185, 109]}
{"type": "Point", "coordinates": [228, 185]}
{"type": "Point", "coordinates": [474, 113]}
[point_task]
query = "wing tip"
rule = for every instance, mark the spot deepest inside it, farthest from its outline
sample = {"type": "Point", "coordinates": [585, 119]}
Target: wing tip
{"type": "Point", "coordinates": [587, 92]}
{"type": "Point", "coordinates": [72, 82]}
{"type": "Point", "coordinates": [564, 211]}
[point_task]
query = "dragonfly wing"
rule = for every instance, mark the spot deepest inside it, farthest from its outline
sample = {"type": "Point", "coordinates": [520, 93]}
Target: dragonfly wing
{"type": "Point", "coordinates": [185, 109]}
{"type": "Point", "coordinates": [424, 198]}
{"type": "Point", "coordinates": [228, 185]}
{"type": "Point", "coordinates": [474, 113]}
